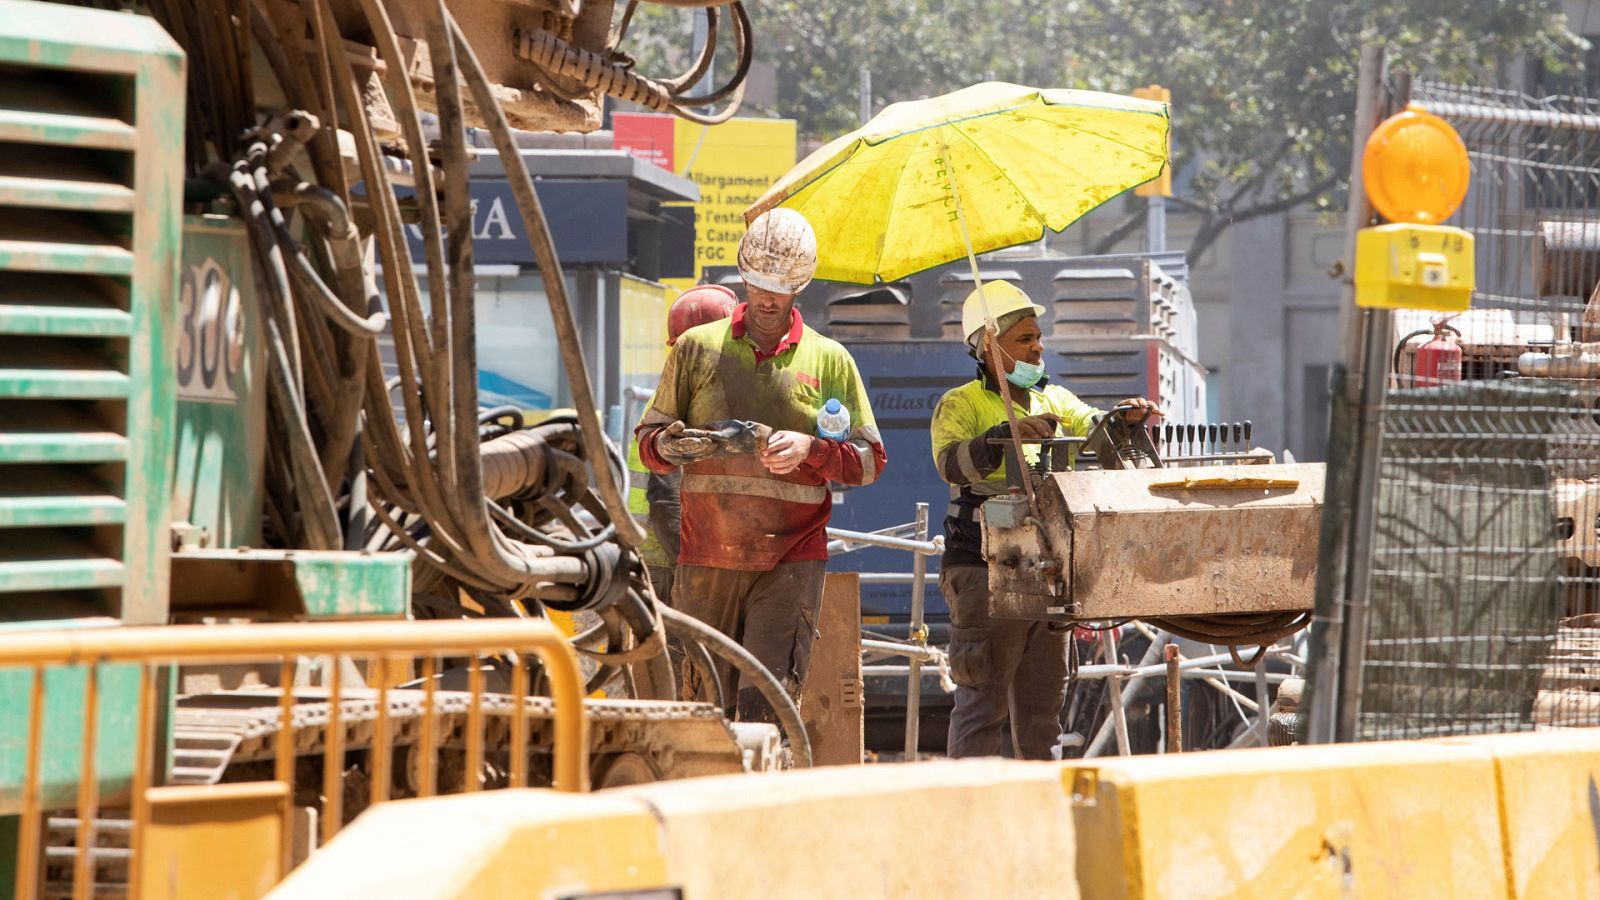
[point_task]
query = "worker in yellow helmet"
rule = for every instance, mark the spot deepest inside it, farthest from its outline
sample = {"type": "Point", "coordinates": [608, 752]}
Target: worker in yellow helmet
{"type": "Point", "coordinates": [653, 500]}
{"type": "Point", "coordinates": [1002, 668]}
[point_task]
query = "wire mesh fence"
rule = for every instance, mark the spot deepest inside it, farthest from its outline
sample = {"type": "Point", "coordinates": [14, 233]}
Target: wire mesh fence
{"type": "Point", "coordinates": [1486, 549]}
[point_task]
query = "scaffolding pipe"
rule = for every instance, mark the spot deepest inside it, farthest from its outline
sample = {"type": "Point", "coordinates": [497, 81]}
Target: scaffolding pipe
{"type": "Point", "coordinates": [919, 633]}
{"type": "Point", "coordinates": [839, 540]}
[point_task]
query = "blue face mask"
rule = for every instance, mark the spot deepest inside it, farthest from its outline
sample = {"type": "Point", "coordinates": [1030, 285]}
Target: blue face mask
{"type": "Point", "coordinates": [1024, 374]}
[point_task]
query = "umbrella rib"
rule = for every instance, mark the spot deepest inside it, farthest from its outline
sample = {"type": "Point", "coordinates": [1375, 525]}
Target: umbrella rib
{"type": "Point", "coordinates": [1037, 215]}
{"type": "Point", "coordinates": [1068, 126]}
{"type": "Point", "coordinates": [894, 204]}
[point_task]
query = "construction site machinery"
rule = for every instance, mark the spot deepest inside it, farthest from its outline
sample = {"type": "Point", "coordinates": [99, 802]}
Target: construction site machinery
{"type": "Point", "coordinates": [199, 203]}
{"type": "Point", "coordinates": [1211, 540]}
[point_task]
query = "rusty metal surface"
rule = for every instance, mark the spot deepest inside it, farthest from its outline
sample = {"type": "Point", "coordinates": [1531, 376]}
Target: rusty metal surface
{"type": "Point", "coordinates": [1133, 549]}
{"type": "Point", "coordinates": [830, 701]}
{"type": "Point", "coordinates": [491, 27]}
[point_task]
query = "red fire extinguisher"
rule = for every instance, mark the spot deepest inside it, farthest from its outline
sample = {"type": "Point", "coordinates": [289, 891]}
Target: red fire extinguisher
{"type": "Point", "coordinates": [1436, 362]}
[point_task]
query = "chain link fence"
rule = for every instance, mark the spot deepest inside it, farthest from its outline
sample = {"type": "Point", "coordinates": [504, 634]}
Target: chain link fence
{"type": "Point", "coordinates": [1482, 612]}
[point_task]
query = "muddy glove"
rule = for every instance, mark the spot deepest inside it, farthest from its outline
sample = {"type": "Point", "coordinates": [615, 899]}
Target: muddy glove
{"type": "Point", "coordinates": [680, 445]}
{"type": "Point", "coordinates": [736, 438]}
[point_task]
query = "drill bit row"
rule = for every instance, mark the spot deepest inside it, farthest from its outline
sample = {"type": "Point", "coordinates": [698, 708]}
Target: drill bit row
{"type": "Point", "coordinates": [1211, 439]}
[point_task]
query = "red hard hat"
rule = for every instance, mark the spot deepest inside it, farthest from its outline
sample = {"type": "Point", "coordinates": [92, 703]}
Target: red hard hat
{"type": "Point", "coordinates": [699, 305]}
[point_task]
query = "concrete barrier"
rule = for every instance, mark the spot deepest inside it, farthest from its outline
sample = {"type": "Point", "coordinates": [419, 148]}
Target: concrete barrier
{"type": "Point", "coordinates": [1549, 788]}
{"type": "Point", "coordinates": [975, 829]}
{"type": "Point", "coordinates": [1513, 816]}
{"type": "Point", "coordinates": [1370, 820]}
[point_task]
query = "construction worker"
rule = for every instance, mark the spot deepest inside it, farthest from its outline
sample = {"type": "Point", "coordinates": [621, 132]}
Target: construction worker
{"type": "Point", "coordinates": [754, 547]}
{"type": "Point", "coordinates": [652, 498]}
{"type": "Point", "coordinates": [1002, 667]}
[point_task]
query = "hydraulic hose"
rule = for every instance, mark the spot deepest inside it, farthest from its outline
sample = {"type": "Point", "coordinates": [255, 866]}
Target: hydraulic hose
{"type": "Point", "coordinates": [628, 531]}
{"type": "Point", "coordinates": [763, 680]}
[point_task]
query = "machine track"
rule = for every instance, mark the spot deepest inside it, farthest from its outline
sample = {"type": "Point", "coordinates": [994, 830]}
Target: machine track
{"type": "Point", "coordinates": [218, 736]}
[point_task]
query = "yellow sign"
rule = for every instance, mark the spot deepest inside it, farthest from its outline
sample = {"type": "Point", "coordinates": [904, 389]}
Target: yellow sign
{"type": "Point", "coordinates": [643, 314]}
{"type": "Point", "coordinates": [1161, 185]}
{"type": "Point", "coordinates": [733, 163]}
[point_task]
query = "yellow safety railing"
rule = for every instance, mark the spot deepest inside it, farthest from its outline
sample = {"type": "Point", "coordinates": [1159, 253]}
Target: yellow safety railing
{"type": "Point", "coordinates": [151, 647]}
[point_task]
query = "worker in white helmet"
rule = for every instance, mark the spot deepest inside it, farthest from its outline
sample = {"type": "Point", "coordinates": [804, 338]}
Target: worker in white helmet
{"type": "Point", "coordinates": [1003, 668]}
{"type": "Point", "coordinates": [753, 542]}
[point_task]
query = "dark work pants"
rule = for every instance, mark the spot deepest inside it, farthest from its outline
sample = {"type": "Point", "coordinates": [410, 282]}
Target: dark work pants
{"type": "Point", "coordinates": [772, 614]}
{"type": "Point", "coordinates": [1002, 668]}
{"type": "Point", "coordinates": [661, 578]}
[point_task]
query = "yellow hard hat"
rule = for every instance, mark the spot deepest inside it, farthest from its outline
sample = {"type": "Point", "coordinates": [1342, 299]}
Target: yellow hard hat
{"type": "Point", "coordinates": [1003, 298]}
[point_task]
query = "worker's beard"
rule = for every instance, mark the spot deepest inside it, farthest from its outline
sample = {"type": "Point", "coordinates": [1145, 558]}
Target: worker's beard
{"type": "Point", "coordinates": [771, 323]}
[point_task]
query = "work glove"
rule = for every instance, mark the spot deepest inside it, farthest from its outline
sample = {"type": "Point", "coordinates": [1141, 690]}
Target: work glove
{"type": "Point", "coordinates": [679, 444]}
{"type": "Point", "coordinates": [1040, 426]}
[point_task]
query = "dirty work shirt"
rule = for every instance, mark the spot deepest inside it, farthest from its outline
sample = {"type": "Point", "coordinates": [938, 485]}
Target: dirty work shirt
{"type": "Point", "coordinates": [736, 514]}
{"type": "Point", "coordinates": [964, 422]}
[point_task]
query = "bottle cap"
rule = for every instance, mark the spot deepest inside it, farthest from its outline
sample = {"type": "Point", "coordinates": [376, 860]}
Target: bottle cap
{"type": "Point", "coordinates": [833, 405]}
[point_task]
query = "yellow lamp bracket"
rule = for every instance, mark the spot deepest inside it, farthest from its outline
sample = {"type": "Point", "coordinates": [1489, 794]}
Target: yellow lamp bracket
{"type": "Point", "coordinates": [1406, 266]}
{"type": "Point", "coordinates": [1416, 171]}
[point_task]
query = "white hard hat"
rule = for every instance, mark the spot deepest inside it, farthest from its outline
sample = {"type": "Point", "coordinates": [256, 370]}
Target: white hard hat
{"type": "Point", "coordinates": [1004, 298]}
{"type": "Point", "coordinates": [779, 252]}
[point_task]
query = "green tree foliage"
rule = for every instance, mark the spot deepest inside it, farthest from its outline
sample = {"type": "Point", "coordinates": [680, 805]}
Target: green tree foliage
{"type": "Point", "coordinates": [1263, 90]}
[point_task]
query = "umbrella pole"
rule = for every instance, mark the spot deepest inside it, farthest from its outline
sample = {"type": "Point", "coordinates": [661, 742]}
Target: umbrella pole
{"type": "Point", "coordinates": [991, 335]}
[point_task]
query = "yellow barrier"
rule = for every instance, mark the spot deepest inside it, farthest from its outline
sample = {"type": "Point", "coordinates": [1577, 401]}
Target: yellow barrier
{"type": "Point", "coordinates": [1365, 820]}
{"type": "Point", "coordinates": [1503, 816]}
{"type": "Point", "coordinates": [150, 647]}
{"type": "Point", "coordinates": [1550, 810]}
{"type": "Point", "coordinates": [937, 829]}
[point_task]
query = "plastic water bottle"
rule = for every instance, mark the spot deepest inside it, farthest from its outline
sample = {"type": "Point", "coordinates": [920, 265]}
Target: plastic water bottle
{"type": "Point", "coordinates": [833, 420]}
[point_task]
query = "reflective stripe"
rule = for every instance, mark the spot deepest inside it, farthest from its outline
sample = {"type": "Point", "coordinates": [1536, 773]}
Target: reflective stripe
{"type": "Point", "coordinates": [966, 464]}
{"type": "Point", "coordinates": [753, 486]}
{"type": "Point", "coordinates": [868, 433]}
{"type": "Point", "coordinates": [869, 462]}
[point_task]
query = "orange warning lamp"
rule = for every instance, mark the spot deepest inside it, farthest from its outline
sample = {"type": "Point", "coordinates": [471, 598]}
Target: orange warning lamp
{"type": "Point", "coordinates": [1415, 168]}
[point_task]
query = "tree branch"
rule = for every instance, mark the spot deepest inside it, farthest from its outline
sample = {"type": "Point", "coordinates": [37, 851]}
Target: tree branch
{"type": "Point", "coordinates": [1212, 228]}
{"type": "Point", "coordinates": [1263, 171]}
{"type": "Point", "coordinates": [1115, 235]}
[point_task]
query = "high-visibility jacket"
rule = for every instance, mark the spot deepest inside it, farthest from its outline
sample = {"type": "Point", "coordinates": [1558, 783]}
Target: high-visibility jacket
{"type": "Point", "coordinates": [736, 514]}
{"type": "Point", "coordinates": [965, 421]}
{"type": "Point", "coordinates": [648, 493]}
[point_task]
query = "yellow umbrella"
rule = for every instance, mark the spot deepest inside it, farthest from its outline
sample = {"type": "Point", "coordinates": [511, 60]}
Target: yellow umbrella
{"type": "Point", "coordinates": [985, 167]}
{"type": "Point", "coordinates": [1006, 161]}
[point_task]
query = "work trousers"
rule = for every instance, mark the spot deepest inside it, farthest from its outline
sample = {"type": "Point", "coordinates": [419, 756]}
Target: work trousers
{"type": "Point", "coordinates": [661, 578]}
{"type": "Point", "coordinates": [1002, 668]}
{"type": "Point", "coordinates": [772, 614]}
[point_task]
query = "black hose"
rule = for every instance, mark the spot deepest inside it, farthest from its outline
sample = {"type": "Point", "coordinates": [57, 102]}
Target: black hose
{"type": "Point", "coordinates": [1400, 348]}
{"type": "Point", "coordinates": [762, 680]}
